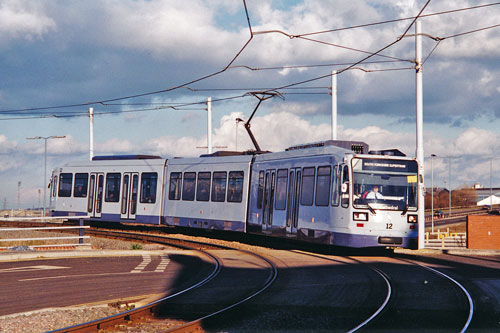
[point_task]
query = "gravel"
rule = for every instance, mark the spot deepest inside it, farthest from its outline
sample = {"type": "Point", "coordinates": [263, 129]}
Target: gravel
{"type": "Point", "coordinates": [57, 318]}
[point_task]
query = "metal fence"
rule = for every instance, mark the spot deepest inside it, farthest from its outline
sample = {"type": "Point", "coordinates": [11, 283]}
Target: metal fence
{"type": "Point", "coordinates": [48, 242]}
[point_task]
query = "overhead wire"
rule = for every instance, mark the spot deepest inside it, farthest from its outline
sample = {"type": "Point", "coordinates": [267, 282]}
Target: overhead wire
{"type": "Point", "coordinates": [252, 33]}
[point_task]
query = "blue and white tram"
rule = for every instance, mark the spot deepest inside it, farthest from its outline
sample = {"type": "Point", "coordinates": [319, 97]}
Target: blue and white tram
{"type": "Point", "coordinates": [319, 193]}
{"type": "Point", "coordinates": [209, 192]}
{"type": "Point", "coordinates": [316, 194]}
{"type": "Point", "coordinates": [125, 188]}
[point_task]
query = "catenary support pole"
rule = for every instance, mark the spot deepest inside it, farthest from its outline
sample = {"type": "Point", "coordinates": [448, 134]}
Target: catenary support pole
{"type": "Point", "coordinates": [420, 133]}
{"type": "Point", "coordinates": [91, 136]}
{"type": "Point", "coordinates": [334, 105]}
{"type": "Point", "coordinates": [209, 125]}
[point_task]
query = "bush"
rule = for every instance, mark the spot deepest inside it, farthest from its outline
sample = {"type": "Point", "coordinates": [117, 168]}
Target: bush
{"type": "Point", "coordinates": [136, 246]}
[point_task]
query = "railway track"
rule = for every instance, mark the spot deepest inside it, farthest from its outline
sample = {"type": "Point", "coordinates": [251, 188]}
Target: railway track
{"type": "Point", "coordinates": [281, 289]}
{"type": "Point", "coordinates": [196, 306]}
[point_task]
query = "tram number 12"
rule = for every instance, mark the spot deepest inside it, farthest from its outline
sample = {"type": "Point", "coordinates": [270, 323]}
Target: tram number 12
{"type": "Point", "coordinates": [388, 225]}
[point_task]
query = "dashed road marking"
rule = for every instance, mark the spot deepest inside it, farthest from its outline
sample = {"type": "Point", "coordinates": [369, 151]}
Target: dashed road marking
{"type": "Point", "coordinates": [163, 264]}
{"type": "Point", "coordinates": [146, 259]}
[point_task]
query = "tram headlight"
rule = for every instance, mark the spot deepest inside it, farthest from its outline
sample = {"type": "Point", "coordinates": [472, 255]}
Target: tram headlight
{"type": "Point", "coordinates": [359, 216]}
{"type": "Point", "coordinates": [412, 218]}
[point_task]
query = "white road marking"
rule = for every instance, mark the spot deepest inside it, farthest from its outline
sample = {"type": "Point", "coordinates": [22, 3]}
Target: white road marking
{"type": "Point", "coordinates": [163, 264]}
{"type": "Point", "coordinates": [31, 268]}
{"type": "Point", "coordinates": [146, 259]}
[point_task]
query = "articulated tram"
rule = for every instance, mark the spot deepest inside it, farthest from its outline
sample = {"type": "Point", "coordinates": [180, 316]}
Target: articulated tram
{"type": "Point", "coordinates": [321, 192]}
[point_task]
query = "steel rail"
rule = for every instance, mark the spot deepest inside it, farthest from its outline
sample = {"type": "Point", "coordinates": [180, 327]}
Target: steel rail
{"type": "Point", "coordinates": [469, 298]}
{"type": "Point", "coordinates": [383, 305]}
{"type": "Point", "coordinates": [148, 308]}
{"type": "Point", "coordinates": [375, 269]}
{"type": "Point", "coordinates": [196, 324]}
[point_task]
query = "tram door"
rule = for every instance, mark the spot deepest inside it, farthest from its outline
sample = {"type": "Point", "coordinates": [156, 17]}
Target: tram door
{"type": "Point", "coordinates": [128, 200]}
{"type": "Point", "coordinates": [268, 206]}
{"type": "Point", "coordinates": [292, 209]}
{"type": "Point", "coordinates": [96, 186]}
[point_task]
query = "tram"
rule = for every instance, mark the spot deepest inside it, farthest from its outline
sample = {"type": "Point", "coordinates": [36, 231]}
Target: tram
{"type": "Point", "coordinates": [331, 192]}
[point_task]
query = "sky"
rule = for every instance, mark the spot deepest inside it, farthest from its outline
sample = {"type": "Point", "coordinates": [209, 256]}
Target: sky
{"type": "Point", "coordinates": [147, 67]}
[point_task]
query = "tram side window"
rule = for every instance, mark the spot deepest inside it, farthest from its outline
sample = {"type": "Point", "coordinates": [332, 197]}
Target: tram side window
{"type": "Point", "coordinates": [260, 190]}
{"type": "Point", "coordinates": [112, 187]}
{"type": "Point", "coordinates": [174, 192]}
{"type": "Point", "coordinates": [148, 187]}
{"type": "Point", "coordinates": [219, 186]}
{"type": "Point", "coordinates": [235, 186]}
{"type": "Point", "coordinates": [336, 186]}
{"type": "Point", "coordinates": [281, 189]}
{"type": "Point", "coordinates": [323, 186]}
{"type": "Point", "coordinates": [307, 195]}
{"type": "Point", "coordinates": [81, 185]}
{"type": "Point", "coordinates": [65, 182]}
{"type": "Point", "coordinates": [203, 186]}
{"type": "Point", "coordinates": [188, 186]}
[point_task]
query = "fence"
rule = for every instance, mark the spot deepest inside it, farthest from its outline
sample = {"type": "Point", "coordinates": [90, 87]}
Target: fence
{"type": "Point", "coordinates": [445, 240]}
{"type": "Point", "coordinates": [48, 242]}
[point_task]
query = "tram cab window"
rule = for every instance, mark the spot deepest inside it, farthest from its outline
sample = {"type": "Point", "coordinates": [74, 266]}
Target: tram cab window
{"type": "Point", "coordinates": [65, 182]}
{"type": "Point", "coordinates": [81, 185]}
{"type": "Point", "coordinates": [203, 186]}
{"type": "Point", "coordinates": [260, 190]}
{"type": "Point", "coordinates": [219, 182]}
{"type": "Point", "coordinates": [148, 187]}
{"type": "Point", "coordinates": [54, 186]}
{"type": "Point", "coordinates": [345, 187]}
{"type": "Point", "coordinates": [281, 189]}
{"type": "Point", "coordinates": [336, 186]}
{"type": "Point", "coordinates": [174, 192]}
{"type": "Point", "coordinates": [188, 186]}
{"type": "Point", "coordinates": [307, 195]}
{"type": "Point", "coordinates": [235, 186]}
{"type": "Point", "coordinates": [112, 187]}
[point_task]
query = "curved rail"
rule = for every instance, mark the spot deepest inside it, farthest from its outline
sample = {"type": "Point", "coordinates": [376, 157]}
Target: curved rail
{"type": "Point", "coordinates": [383, 305]}
{"type": "Point", "coordinates": [375, 269]}
{"type": "Point", "coordinates": [192, 325]}
{"type": "Point", "coordinates": [149, 308]}
{"type": "Point", "coordinates": [469, 298]}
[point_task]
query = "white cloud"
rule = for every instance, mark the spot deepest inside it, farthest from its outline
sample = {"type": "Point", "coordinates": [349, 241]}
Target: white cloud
{"type": "Point", "coordinates": [6, 145]}
{"type": "Point", "coordinates": [23, 19]}
{"type": "Point", "coordinates": [115, 146]}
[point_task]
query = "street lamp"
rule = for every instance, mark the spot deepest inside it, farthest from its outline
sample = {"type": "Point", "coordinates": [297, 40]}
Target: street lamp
{"type": "Point", "coordinates": [449, 184]}
{"type": "Point", "coordinates": [45, 138]}
{"type": "Point", "coordinates": [432, 193]}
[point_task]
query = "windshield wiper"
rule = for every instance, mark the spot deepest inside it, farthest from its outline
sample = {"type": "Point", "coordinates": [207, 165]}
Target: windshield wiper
{"type": "Point", "coordinates": [404, 210]}
{"type": "Point", "coordinates": [371, 209]}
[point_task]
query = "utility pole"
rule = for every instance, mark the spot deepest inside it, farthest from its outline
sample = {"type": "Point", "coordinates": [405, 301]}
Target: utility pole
{"type": "Point", "coordinates": [432, 193]}
{"type": "Point", "coordinates": [449, 184]}
{"type": "Point", "coordinates": [19, 195]}
{"type": "Point", "coordinates": [420, 133]}
{"type": "Point", "coordinates": [334, 105]}
{"type": "Point", "coordinates": [91, 136]}
{"type": "Point", "coordinates": [45, 138]}
{"type": "Point", "coordinates": [209, 125]}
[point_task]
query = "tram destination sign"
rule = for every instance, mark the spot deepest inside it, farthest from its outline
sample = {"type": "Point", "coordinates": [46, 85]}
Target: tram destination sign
{"type": "Point", "coordinates": [389, 165]}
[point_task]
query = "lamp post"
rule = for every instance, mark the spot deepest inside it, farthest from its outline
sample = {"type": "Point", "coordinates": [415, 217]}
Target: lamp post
{"type": "Point", "coordinates": [45, 138]}
{"type": "Point", "coordinates": [449, 184]}
{"type": "Point", "coordinates": [432, 193]}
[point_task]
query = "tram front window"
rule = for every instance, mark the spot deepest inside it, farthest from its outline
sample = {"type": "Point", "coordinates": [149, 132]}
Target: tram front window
{"type": "Point", "coordinates": [385, 184]}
